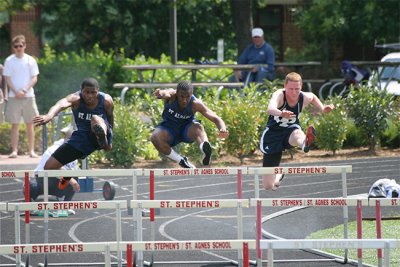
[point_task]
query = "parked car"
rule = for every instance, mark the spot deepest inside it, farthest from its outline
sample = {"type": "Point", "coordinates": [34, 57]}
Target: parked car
{"type": "Point", "coordinates": [389, 78]}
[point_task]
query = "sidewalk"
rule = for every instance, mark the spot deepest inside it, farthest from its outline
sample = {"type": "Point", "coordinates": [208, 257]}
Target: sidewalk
{"type": "Point", "coordinates": [22, 162]}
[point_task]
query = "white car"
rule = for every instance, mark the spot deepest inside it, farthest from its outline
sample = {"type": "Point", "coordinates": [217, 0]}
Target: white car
{"type": "Point", "coordinates": [389, 78]}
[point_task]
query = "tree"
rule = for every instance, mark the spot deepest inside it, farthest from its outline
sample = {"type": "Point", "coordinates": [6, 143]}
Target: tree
{"type": "Point", "coordinates": [349, 23]}
{"type": "Point", "coordinates": [11, 6]}
{"type": "Point", "coordinates": [242, 21]}
{"type": "Point", "coordinates": [140, 27]}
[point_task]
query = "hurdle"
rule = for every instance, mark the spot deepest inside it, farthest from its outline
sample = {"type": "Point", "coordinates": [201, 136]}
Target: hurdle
{"type": "Point", "coordinates": [386, 244]}
{"type": "Point", "coordinates": [308, 170]}
{"type": "Point", "coordinates": [323, 202]}
{"type": "Point", "coordinates": [238, 171]}
{"type": "Point", "coordinates": [128, 247]}
{"type": "Point", "coordinates": [17, 207]}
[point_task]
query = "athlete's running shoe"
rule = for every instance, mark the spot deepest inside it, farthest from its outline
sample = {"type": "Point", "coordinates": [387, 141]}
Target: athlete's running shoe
{"type": "Point", "coordinates": [63, 183]}
{"type": "Point", "coordinates": [186, 164]}
{"type": "Point", "coordinates": [100, 135]}
{"type": "Point", "coordinates": [207, 150]}
{"type": "Point", "coordinates": [310, 136]}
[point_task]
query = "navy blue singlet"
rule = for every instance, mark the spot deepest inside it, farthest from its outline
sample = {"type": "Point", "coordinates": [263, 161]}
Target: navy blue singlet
{"type": "Point", "coordinates": [276, 121]}
{"type": "Point", "coordinates": [83, 139]}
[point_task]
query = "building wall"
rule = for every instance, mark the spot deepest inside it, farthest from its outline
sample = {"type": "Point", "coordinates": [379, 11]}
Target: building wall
{"type": "Point", "coordinates": [22, 23]}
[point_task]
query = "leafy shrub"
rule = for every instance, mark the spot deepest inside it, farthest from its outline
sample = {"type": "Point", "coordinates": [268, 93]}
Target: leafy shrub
{"type": "Point", "coordinates": [331, 128]}
{"type": "Point", "coordinates": [243, 115]}
{"type": "Point", "coordinates": [391, 136]}
{"type": "Point", "coordinates": [62, 74]}
{"type": "Point", "coordinates": [130, 141]}
{"type": "Point", "coordinates": [355, 136]}
{"type": "Point", "coordinates": [5, 135]}
{"type": "Point", "coordinates": [370, 108]}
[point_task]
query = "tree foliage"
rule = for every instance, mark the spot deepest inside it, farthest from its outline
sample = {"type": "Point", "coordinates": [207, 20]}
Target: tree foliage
{"type": "Point", "coordinates": [370, 108]}
{"type": "Point", "coordinates": [342, 22]}
{"type": "Point", "coordinates": [139, 27]}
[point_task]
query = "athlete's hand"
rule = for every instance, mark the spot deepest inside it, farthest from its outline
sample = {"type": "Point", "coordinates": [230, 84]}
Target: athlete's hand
{"type": "Point", "coordinates": [287, 114]}
{"type": "Point", "coordinates": [40, 120]}
{"type": "Point", "coordinates": [157, 93]}
{"type": "Point", "coordinates": [328, 108]}
{"type": "Point", "coordinates": [223, 133]}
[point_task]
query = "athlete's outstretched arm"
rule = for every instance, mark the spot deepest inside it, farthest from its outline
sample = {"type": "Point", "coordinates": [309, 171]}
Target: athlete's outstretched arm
{"type": "Point", "coordinates": [199, 106]}
{"type": "Point", "coordinates": [165, 94]}
{"type": "Point", "coordinates": [311, 98]}
{"type": "Point", "coordinates": [61, 105]}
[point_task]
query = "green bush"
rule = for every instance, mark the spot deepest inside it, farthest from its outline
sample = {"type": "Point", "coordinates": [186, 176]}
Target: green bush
{"type": "Point", "coordinates": [245, 116]}
{"type": "Point", "coordinates": [331, 128]}
{"type": "Point", "coordinates": [131, 138]}
{"type": "Point", "coordinates": [355, 136]}
{"type": "Point", "coordinates": [391, 136]}
{"type": "Point", "coordinates": [370, 108]}
{"type": "Point", "coordinates": [5, 142]}
{"type": "Point", "coordinates": [62, 74]}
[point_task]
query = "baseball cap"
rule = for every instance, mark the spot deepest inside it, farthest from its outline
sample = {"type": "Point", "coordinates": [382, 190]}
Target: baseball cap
{"type": "Point", "coordinates": [257, 32]}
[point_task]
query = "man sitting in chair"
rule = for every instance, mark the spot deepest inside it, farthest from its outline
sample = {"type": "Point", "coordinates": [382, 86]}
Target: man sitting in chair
{"type": "Point", "coordinates": [36, 187]}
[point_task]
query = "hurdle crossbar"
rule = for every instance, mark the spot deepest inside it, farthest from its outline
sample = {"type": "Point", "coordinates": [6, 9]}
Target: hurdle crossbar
{"type": "Point", "coordinates": [196, 172]}
{"type": "Point", "coordinates": [16, 174]}
{"type": "Point", "coordinates": [97, 173]}
{"type": "Point", "coordinates": [300, 170]}
{"type": "Point", "coordinates": [330, 243]}
{"type": "Point", "coordinates": [323, 202]}
{"type": "Point", "coordinates": [76, 205]}
{"type": "Point", "coordinates": [52, 248]}
{"type": "Point", "coordinates": [386, 244]}
{"type": "Point", "coordinates": [192, 203]}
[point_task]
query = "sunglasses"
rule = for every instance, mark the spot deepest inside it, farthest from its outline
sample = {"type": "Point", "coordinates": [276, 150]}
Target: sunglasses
{"type": "Point", "coordinates": [18, 46]}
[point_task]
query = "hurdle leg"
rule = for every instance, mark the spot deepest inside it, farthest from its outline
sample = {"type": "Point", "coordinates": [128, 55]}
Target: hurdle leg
{"type": "Point", "coordinates": [245, 254]}
{"type": "Point", "coordinates": [46, 212]}
{"type": "Point", "coordinates": [359, 231]}
{"type": "Point", "coordinates": [107, 259]}
{"type": "Point", "coordinates": [378, 229]}
{"type": "Point", "coordinates": [256, 185]}
{"type": "Point", "coordinates": [258, 237]}
{"type": "Point", "coordinates": [17, 234]}
{"type": "Point", "coordinates": [270, 255]}
{"type": "Point", "coordinates": [240, 231]}
{"type": "Point", "coordinates": [129, 255]}
{"type": "Point", "coordinates": [119, 234]}
{"type": "Point", "coordinates": [387, 254]}
{"type": "Point", "coordinates": [152, 215]}
{"type": "Point", "coordinates": [138, 212]}
{"type": "Point", "coordinates": [27, 215]}
{"type": "Point", "coordinates": [345, 214]}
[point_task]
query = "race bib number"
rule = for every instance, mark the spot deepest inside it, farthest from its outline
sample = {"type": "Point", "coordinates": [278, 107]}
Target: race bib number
{"type": "Point", "coordinates": [283, 122]}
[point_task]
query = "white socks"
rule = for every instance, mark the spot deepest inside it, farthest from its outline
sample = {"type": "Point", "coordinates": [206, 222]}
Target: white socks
{"type": "Point", "coordinates": [174, 156]}
{"type": "Point", "coordinates": [201, 147]}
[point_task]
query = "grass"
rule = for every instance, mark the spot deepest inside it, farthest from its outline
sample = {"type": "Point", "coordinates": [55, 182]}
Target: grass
{"type": "Point", "coordinates": [390, 230]}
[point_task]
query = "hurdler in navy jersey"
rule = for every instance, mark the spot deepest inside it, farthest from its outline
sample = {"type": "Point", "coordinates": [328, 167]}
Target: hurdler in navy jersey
{"type": "Point", "coordinates": [283, 127]}
{"type": "Point", "coordinates": [277, 121]}
{"type": "Point", "coordinates": [177, 122]}
{"type": "Point", "coordinates": [84, 138]}
{"type": "Point", "coordinates": [94, 118]}
{"type": "Point", "coordinates": [179, 125]}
